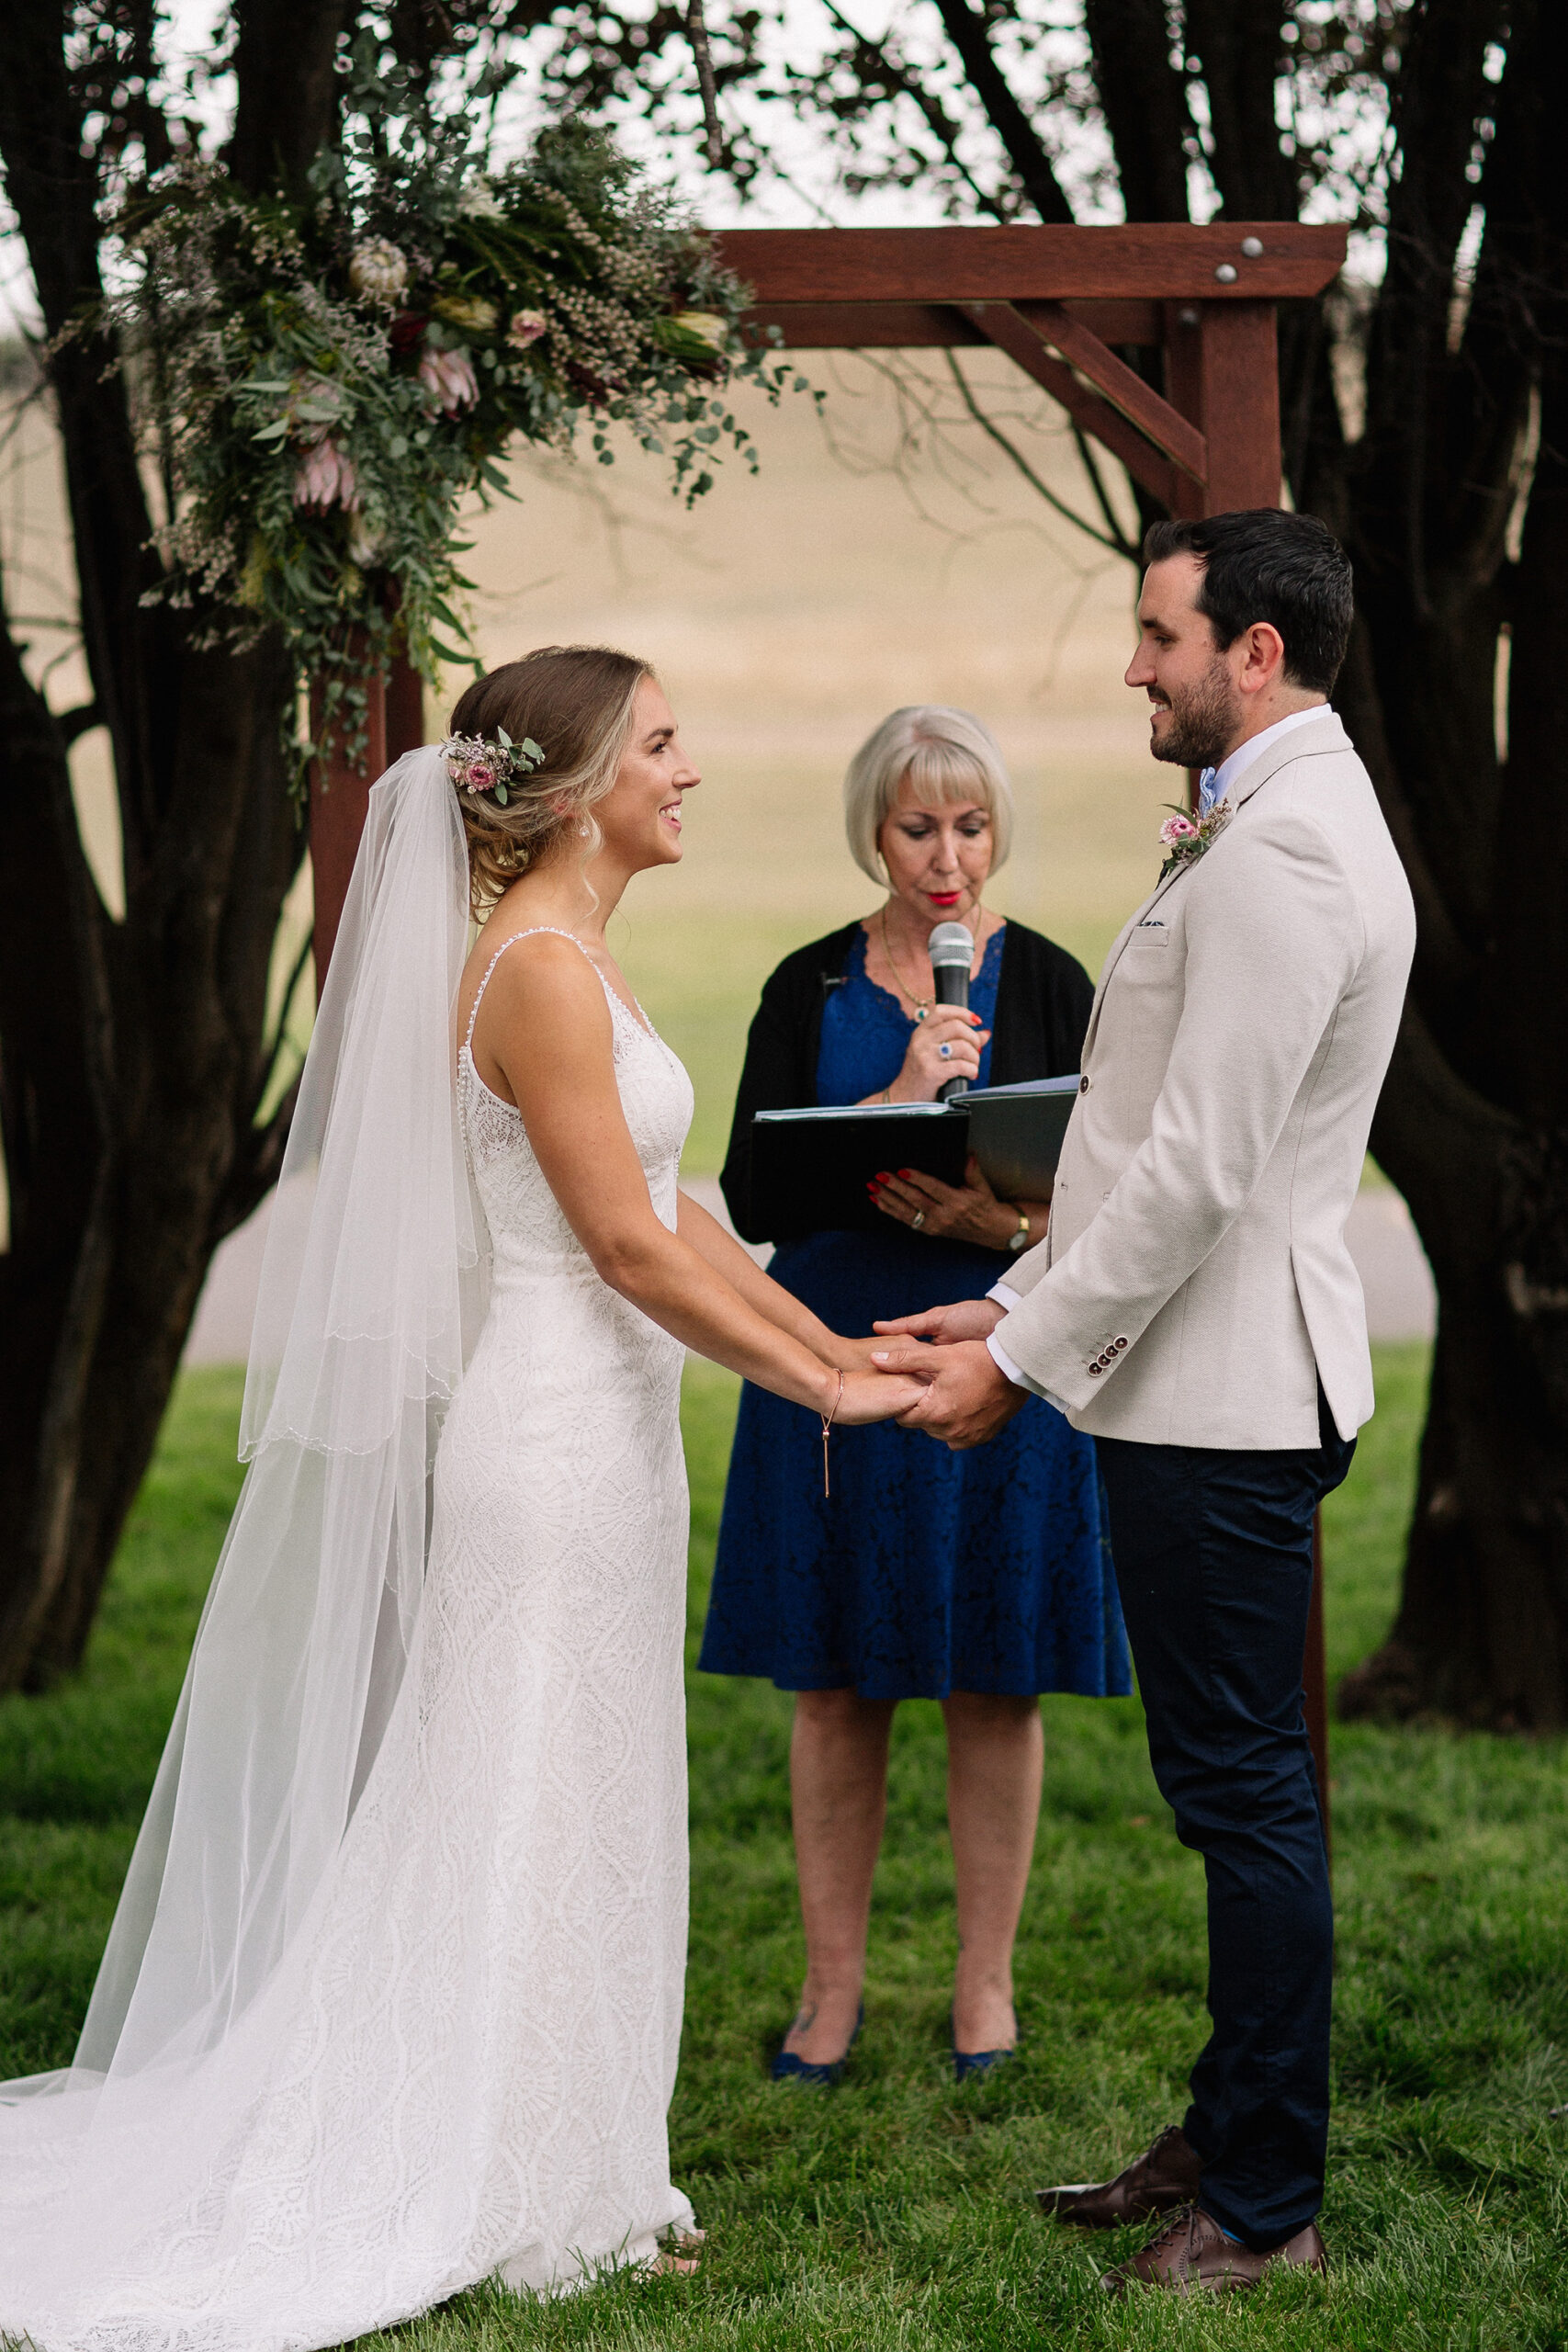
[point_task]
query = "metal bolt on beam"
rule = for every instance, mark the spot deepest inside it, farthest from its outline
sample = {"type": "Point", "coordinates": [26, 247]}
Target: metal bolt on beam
{"type": "Point", "coordinates": [1253, 248]}
{"type": "Point", "coordinates": [1227, 273]}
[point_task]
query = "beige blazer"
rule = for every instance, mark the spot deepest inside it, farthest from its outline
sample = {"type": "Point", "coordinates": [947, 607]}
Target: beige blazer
{"type": "Point", "coordinates": [1194, 1285]}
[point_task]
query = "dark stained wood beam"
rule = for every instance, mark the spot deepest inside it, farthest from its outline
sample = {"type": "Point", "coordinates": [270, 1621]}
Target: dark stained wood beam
{"type": "Point", "coordinates": [863, 326]}
{"type": "Point", "coordinates": [1155, 418]}
{"type": "Point", "coordinates": [913, 327]}
{"type": "Point", "coordinates": [1011, 333]}
{"type": "Point", "coordinates": [1151, 261]}
{"type": "Point", "coordinates": [1221, 372]}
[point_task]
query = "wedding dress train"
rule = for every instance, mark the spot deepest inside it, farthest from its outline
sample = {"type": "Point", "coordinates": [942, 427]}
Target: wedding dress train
{"type": "Point", "coordinates": [460, 2059]}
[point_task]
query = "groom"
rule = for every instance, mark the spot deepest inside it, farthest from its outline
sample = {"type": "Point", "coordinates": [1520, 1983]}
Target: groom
{"type": "Point", "coordinates": [1194, 1307]}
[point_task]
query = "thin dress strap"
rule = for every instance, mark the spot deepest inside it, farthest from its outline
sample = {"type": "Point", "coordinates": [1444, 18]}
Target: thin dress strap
{"type": "Point", "coordinates": [553, 931]}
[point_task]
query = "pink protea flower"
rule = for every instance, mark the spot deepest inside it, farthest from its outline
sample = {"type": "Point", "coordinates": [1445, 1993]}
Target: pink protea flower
{"type": "Point", "coordinates": [525, 327]}
{"type": "Point", "coordinates": [479, 776]}
{"type": "Point", "coordinates": [1185, 839]}
{"type": "Point", "coordinates": [449, 381]}
{"type": "Point", "coordinates": [325, 477]}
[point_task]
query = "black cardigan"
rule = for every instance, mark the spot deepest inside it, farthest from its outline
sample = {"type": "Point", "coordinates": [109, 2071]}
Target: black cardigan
{"type": "Point", "coordinates": [1044, 997]}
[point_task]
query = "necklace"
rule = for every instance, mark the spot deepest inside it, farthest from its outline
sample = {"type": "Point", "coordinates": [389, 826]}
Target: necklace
{"type": "Point", "coordinates": [922, 1004]}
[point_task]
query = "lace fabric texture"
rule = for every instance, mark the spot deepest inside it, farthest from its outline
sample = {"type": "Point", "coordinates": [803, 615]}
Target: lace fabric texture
{"type": "Point", "coordinates": [463, 2060]}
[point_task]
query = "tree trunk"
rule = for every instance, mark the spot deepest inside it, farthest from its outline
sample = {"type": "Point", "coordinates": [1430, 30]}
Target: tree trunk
{"type": "Point", "coordinates": [134, 1055]}
{"type": "Point", "coordinates": [134, 1060]}
{"type": "Point", "coordinates": [1473, 1123]}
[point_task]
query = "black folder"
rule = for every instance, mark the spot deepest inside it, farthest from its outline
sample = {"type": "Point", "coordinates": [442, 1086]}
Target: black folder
{"type": "Point", "coordinates": [810, 1168]}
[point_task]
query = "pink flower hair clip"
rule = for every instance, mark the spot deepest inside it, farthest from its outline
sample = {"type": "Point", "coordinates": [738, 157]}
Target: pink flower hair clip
{"type": "Point", "coordinates": [478, 766]}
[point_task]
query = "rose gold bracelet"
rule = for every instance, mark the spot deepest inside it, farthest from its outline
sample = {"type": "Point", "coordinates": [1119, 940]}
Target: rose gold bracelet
{"type": "Point", "coordinates": [827, 1424]}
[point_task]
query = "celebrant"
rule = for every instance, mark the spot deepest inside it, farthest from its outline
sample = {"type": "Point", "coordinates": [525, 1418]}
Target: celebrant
{"type": "Point", "coordinates": [979, 1579]}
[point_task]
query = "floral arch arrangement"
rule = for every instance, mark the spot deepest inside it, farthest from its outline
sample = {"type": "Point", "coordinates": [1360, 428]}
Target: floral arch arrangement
{"type": "Point", "coordinates": [319, 385]}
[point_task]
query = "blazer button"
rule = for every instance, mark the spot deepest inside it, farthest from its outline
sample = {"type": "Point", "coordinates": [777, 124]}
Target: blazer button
{"type": "Point", "coordinates": [1120, 1343]}
{"type": "Point", "coordinates": [1083, 1085]}
{"type": "Point", "coordinates": [1095, 1370]}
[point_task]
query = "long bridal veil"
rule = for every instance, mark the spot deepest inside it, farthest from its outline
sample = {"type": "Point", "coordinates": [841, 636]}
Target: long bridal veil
{"type": "Point", "coordinates": [372, 1291]}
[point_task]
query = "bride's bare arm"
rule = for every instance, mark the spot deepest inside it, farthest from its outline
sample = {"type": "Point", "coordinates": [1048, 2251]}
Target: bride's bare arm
{"type": "Point", "coordinates": [545, 1023]}
{"type": "Point", "coordinates": [725, 1256]}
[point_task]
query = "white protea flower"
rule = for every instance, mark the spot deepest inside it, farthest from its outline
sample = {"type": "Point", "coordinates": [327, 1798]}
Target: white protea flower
{"type": "Point", "coordinates": [706, 325]}
{"type": "Point", "coordinates": [379, 271]}
{"type": "Point", "coordinates": [477, 203]}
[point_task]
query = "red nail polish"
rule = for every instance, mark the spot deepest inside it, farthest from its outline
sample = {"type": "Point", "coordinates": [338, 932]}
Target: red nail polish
{"type": "Point", "coordinates": [884, 1176]}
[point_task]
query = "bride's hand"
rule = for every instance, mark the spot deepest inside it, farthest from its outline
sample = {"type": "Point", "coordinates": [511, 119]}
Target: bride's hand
{"type": "Point", "coordinates": [875, 1396]}
{"type": "Point", "coordinates": [849, 1355]}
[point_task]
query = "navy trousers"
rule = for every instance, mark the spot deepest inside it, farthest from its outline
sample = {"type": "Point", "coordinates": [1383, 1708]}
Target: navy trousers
{"type": "Point", "coordinates": [1214, 1558]}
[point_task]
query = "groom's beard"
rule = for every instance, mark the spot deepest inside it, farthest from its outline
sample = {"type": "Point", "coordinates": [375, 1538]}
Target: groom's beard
{"type": "Point", "coordinates": [1203, 721]}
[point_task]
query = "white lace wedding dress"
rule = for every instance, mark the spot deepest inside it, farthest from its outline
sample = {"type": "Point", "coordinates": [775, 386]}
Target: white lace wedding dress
{"type": "Point", "coordinates": [463, 2063]}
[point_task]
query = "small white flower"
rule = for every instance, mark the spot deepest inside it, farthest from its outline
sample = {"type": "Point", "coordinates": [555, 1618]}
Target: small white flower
{"type": "Point", "coordinates": [365, 546]}
{"type": "Point", "coordinates": [379, 271]}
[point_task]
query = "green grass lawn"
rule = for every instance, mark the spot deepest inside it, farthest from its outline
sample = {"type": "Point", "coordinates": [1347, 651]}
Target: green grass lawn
{"type": "Point", "coordinates": [897, 2212]}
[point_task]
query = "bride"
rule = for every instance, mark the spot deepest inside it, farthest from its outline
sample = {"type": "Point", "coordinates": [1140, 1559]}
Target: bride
{"type": "Point", "coordinates": [393, 1998]}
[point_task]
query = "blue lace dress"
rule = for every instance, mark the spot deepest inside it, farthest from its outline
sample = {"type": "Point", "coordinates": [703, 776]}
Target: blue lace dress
{"type": "Point", "coordinates": [925, 1572]}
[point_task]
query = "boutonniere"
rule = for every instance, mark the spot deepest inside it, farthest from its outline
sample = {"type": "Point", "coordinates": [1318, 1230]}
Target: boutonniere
{"type": "Point", "coordinates": [1184, 838]}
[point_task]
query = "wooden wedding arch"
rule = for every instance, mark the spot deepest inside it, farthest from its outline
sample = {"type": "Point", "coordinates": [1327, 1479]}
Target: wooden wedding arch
{"type": "Point", "coordinates": [1056, 300]}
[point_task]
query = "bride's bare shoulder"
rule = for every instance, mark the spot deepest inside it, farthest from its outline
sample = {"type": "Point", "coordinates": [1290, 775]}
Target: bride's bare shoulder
{"type": "Point", "coordinates": [531, 972]}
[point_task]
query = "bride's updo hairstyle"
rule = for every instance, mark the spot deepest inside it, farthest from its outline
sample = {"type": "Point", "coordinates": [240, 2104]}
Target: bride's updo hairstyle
{"type": "Point", "coordinates": [575, 702]}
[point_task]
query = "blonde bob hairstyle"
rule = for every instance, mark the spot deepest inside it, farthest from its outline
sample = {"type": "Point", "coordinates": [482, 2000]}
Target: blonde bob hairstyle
{"type": "Point", "coordinates": [577, 704]}
{"type": "Point", "coordinates": [947, 755]}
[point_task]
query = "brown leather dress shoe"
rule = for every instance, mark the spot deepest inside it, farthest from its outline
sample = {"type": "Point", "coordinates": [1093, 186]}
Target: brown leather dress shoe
{"type": "Point", "coordinates": [1193, 2254]}
{"type": "Point", "coordinates": [1162, 2178]}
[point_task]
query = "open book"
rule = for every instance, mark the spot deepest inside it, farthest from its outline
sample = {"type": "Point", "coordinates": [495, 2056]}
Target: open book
{"type": "Point", "coordinates": [810, 1168]}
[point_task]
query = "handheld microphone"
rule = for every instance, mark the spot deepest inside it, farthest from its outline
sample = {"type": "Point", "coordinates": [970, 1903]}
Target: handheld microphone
{"type": "Point", "coordinates": [952, 951]}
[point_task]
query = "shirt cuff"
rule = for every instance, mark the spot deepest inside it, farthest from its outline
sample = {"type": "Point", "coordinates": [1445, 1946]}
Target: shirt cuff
{"type": "Point", "coordinates": [1009, 1371]}
{"type": "Point", "coordinates": [1005, 1295]}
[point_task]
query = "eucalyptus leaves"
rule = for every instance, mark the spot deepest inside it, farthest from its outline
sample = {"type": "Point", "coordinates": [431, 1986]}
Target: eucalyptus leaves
{"type": "Point", "coordinates": [321, 384]}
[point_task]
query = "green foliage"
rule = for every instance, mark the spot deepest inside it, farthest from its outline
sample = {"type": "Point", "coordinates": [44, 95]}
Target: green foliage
{"type": "Point", "coordinates": [897, 2212]}
{"type": "Point", "coordinates": [320, 382]}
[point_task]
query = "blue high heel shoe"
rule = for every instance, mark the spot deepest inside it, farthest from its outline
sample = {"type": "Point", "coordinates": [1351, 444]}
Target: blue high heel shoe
{"type": "Point", "coordinates": [786, 2067]}
{"type": "Point", "coordinates": [968, 2062]}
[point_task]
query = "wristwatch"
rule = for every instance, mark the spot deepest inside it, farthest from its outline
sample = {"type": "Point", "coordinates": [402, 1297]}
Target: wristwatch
{"type": "Point", "coordinates": [1019, 1240]}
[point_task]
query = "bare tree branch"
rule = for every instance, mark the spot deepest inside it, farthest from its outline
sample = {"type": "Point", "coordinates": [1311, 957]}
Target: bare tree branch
{"type": "Point", "coordinates": [993, 432]}
{"type": "Point", "coordinates": [966, 29]}
{"type": "Point", "coordinates": [1144, 103]}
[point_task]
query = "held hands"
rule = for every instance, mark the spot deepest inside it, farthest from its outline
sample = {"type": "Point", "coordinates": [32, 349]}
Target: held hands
{"type": "Point", "coordinates": [874, 1396]}
{"type": "Point", "coordinates": [966, 1212]}
{"type": "Point", "coordinates": [926, 1070]}
{"type": "Point", "coordinates": [965, 1397]}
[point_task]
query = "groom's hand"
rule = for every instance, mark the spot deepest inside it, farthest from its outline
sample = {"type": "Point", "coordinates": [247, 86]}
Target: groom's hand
{"type": "Point", "coordinates": [968, 1318]}
{"type": "Point", "coordinates": [967, 1399]}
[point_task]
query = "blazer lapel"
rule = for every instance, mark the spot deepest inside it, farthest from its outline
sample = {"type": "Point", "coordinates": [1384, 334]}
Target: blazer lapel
{"type": "Point", "coordinates": [1300, 743]}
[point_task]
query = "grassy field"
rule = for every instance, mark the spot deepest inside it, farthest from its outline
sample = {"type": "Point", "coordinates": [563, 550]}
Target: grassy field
{"type": "Point", "coordinates": [897, 2212]}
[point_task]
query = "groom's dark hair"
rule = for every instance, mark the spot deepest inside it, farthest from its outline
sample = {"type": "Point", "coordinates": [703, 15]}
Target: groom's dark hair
{"type": "Point", "coordinates": [1261, 564]}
